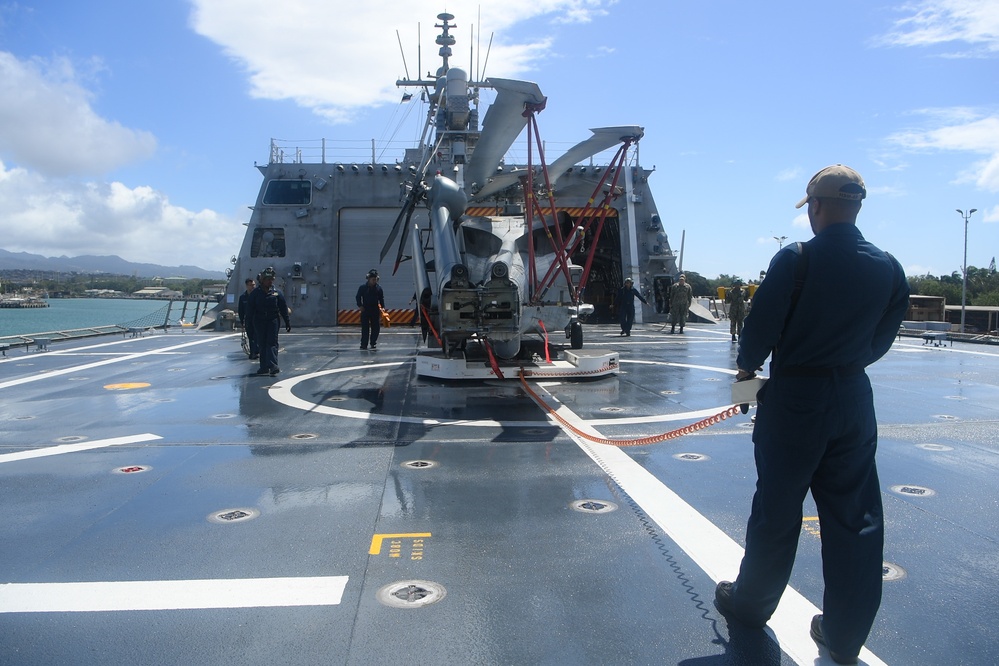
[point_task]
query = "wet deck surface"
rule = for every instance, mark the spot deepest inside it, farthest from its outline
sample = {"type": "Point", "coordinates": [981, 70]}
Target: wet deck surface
{"type": "Point", "coordinates": [161, 504]}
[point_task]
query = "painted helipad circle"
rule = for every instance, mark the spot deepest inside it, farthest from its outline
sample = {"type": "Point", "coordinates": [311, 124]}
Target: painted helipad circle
{"type": "Point", "coordinates": [126, 386]}
{"type": "Point", "coordinates": [283, 392]}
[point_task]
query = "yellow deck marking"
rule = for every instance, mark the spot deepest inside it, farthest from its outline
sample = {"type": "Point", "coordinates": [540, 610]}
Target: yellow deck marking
{"type": "Point", "coordinates": [126, 386]}
{"type": "Point", "coordinates": [376, 540]}
{"type": "Point", "coordinates": [811, 529]}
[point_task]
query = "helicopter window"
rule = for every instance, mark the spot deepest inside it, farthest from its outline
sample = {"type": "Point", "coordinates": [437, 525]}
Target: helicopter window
{"type": "Point", "coordinates": [267, 242]}
{"type": "Point", "coordinates": [296, 192]}
{"type": "Point", "coordinates": [481, 243]}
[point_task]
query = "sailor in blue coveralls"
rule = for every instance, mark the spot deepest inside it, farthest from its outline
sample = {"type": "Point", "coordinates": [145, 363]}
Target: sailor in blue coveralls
{"type": "Point", "coordinates": [815, 425]}
{"type": "Point", "coordinates": [266, 307]}
{"type": "Point", "coordinates": [626, 305]}
{"type": "Point", "coordinates": [370, 299]}
{"type": "Point", "coordinates": [247, 322]}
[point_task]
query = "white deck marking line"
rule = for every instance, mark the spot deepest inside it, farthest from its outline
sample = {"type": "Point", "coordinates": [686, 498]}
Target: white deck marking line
{"type": "Point", "coordinates": [171, 594]}
{"type": "Point", "coordinates": [79, 446]}
{"type": "Point", "coordinates": [717, 554]}
{"type": "Point", "coordinates": [283, 392]}
{"type": "Point", "coordinates": [86, 366]}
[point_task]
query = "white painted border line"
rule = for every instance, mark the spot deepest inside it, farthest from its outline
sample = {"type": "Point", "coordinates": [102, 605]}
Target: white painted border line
{"type": "Point", "coordinates": [74, 448]}
{"type": "Point", "coordinates": [283, 392]}
{"type": "Point", "coordinates": [717, 554]}
{"type": "Point", "coordinates": [86, 366]}
{"type": "Point", "coordinates": [171, 594]}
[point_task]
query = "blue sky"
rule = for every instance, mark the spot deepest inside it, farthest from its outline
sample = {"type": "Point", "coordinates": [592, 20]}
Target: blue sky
{"type": "Point", "coordinates": [131, 128]}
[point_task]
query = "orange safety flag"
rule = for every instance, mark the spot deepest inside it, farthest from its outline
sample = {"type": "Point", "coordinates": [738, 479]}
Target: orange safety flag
{"type": "Point", "coordinates": [386, 320]}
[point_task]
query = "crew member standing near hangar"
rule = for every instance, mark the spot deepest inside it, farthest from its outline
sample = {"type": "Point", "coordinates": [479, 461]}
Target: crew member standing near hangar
{"type": "Point", "coordinates": [266, 307]}
{"type": "Point", "coordinates": [247, 322]}
{"type": "Point", "coordinates": [370, 299]}
{"type": "Point", "coordinates": [626, 305]}
{"type": "Point", "coordinates": [825, 314]}
{"type": "Point", "coordinates": [736, 298]}
{"type": "Point", "coordinates": [680, 297]}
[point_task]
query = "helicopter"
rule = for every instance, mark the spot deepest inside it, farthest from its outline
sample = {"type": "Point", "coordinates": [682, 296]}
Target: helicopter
{"type": "Point", "coordinates": [493, 264]}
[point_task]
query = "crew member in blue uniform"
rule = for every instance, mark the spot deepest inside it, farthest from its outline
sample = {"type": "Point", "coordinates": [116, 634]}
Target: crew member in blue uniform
{"type": "Point", "coordinates": [815, 424]}
{"type": "Point", "coordinates": [626, 305]}
{"type": "Point", "coordinates": [266, 307]}
{"type": "Point", "coordinates": [370, 299]}
{"type": "Point", "coordinates": [247, 322]}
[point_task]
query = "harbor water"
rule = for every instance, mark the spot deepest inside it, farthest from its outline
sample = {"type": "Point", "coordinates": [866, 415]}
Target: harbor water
{"type": "Point", "coordinates": [73, 313]}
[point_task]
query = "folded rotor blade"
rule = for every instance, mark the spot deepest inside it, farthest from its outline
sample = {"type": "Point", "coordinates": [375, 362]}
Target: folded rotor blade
{"type": "Point", "coordinates": [402, 239]}
{"type": "Point", "coordinates": [602, 139]}
{"type": "Point", "coordinates": [502, 125]}
{"type": "Point", "coordinates": [396, 227]}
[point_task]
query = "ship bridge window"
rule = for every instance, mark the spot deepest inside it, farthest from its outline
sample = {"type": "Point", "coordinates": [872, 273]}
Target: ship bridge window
{"type": "Point", "coordinates": [296, 192]}
{"type": "Point", "coordinates": [267, 242]}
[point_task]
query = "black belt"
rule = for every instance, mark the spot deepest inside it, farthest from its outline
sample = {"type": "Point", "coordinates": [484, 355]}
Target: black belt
{"type": "Point", "coordinates": [804, 371]}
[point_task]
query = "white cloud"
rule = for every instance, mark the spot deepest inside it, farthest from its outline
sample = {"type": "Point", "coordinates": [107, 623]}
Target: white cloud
{"type": "Point", "coordinates": [932, 22]}
{"type": "Point", "coordinates": [794, 173]}
{"type": "Point", "coordinates": [47, 123]}
{"type": "Point", "coordinates": [975, 135]}
{"type": "Point", "coordinates": [350, 55]}
{"type": "Point", "coordinates": [46, 216]}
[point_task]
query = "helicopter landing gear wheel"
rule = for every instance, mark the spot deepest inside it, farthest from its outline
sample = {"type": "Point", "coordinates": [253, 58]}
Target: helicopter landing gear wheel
{"type": "Point", "coordinates": [576, 335]}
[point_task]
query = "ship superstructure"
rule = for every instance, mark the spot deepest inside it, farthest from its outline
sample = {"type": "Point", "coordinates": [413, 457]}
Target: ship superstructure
{"type": "Point", "coordinates": [459, 207]}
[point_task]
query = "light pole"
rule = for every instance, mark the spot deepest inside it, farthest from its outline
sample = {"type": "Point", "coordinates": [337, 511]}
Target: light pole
{"type": "Point", "coordinates": [780, 241]}
{"type": "Point", "coordinates": [964, 267]}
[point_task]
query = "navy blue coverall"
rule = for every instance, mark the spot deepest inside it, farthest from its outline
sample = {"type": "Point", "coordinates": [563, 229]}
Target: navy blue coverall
{"type": "Point", "coordinates": [626, 307]}
{"type": "Point", "coordinates": [369, 298]}
{"type": "Point", "coordinates": [247, 323]}
{"type": "Point", "coordinates": [266, 308]}
{"type": "Point", "coordinates": [816, 428]}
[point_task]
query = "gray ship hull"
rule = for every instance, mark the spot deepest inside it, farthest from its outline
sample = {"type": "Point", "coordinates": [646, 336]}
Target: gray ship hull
{"type": "Point", "coordinates": [162, 505]}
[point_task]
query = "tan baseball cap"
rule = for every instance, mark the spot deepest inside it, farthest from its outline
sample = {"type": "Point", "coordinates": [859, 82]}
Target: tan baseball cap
{"type": "Point", "coordinates": [835, 182]}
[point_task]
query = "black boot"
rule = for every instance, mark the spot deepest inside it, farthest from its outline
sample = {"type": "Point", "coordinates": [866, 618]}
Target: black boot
{"type": "Point", "coordinates": [672, 330]}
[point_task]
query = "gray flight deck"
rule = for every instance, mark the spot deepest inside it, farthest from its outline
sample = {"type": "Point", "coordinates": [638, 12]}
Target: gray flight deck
{"type": "Point", "coordinates": [163, 505]}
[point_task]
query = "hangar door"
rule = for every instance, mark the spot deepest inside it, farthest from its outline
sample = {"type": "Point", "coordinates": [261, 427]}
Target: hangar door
{"type": "Point", "coordinates": [363, 231]}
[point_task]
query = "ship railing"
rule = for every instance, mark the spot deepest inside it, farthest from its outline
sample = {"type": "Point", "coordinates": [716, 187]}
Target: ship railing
{"type": "Point", "coordinates": [183, 314]}
{"type": "Point", "coordinates": [991, 338]}
{"type": "Point", "coordinates": [42, 340]}
{"type": "Point", "coordinates": [328, 151]}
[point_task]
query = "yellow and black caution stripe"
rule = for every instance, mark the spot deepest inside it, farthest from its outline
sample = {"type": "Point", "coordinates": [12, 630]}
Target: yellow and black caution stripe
{"type": "Point", "coordinates": [397, 316]}
{"type": "Point", "coordinates": [575, 211]}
